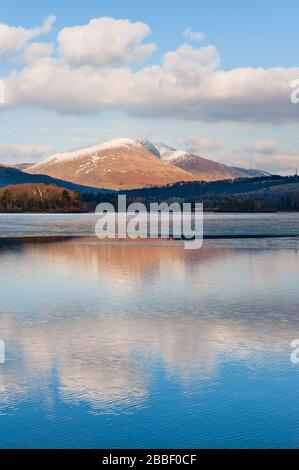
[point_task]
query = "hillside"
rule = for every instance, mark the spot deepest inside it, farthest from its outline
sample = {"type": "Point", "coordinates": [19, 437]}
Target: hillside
{"type": "Point", "coordinates": [266, 193]}
{"type": "Point", "coordinates": [252, 173]}
{"type": "Point", "coordinates": [202, 168]}
{"type": "Point", "coordinates": [253, 194]}
{"type": "Point", "coordinates": [14, 176]}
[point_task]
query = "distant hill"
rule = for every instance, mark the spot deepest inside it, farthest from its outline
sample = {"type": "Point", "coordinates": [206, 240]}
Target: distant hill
{"type": "Point", "coordinates": [252, 173]}
{"type": "Point", "coordinates": [198, 189]}
{"type": "Point", "coordinates": [13, 176]}
{"type": "Point", "coordinates": [265, 193]}
{"type": "Point", "coordinates": [22, 166]}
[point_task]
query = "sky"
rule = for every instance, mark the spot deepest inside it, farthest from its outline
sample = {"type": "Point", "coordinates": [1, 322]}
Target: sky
{"type": "Point", "coordinates": [211, 77]}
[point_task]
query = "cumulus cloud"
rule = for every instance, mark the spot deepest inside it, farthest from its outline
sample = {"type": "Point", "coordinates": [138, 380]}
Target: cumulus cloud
{"type": "Point", "coordinates": [267, 147]}
{"type": "Point", "coordinates": [105, 41]}
{"type": "Point", "coordinates": [36, 51]}
{"type": "Point", "coordinates": [193, 35]}
{"type": "Point", "coordinates": [198, 144]}
{"type": "Point", "coordinates": [92, 74]}
{"type": "Point", "coordinates": [157, 90]}
{"type": "Point", "coordinates": [14, 38]}
{"type": "Point", "coordinates": [189, 63]}
{"type": "Point", "coordinates": [23, 153]}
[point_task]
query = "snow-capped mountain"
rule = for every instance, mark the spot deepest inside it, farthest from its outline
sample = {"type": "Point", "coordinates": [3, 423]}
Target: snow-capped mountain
{"type": "Point", "coordinates": [164, 150]}
{"type": "Point", "coordinates": [203, 168]}
{"type": "Point", "coordinates": [133, 163]}
{"type": "Point", "coordinates": [116, 164]}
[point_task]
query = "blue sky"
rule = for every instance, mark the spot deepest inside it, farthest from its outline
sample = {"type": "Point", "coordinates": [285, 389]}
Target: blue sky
{"type": "Point", "coordinates": [254, 35]}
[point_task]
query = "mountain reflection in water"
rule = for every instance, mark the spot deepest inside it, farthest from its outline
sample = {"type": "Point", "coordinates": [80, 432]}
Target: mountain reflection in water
{"type": "Point", "coordinates": [91, 324]}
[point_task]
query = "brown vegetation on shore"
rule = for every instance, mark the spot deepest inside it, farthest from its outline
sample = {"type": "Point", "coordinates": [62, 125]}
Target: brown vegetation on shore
{"type": "Point", "coordinates": [39, 197]}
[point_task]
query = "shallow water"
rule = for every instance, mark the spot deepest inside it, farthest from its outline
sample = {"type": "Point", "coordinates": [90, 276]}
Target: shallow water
{"type": "Point", "coordinates": [149, 345]}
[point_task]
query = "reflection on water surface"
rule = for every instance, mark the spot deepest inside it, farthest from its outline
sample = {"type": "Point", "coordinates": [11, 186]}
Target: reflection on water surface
{"type": "Point", "coordinates": [148, 345]}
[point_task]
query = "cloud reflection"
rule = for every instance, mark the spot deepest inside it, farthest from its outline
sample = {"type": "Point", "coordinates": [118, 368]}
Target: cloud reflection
{"type": "Point", "coordinates": [106, 351]}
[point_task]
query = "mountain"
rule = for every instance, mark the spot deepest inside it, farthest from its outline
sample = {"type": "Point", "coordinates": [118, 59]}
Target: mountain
{"type": "Point", "coordinates": [123, 164]}
{"type": "Point", "coordinates": [252, 173]}
{"type": "Point", "coordinates": [13, 176]}
{"type": "Point", "coordinates": [203, 168]}
{"type": "Point", "coordinates": [117, 164]}
{"type": "Point", "coordinates": [164, 150]}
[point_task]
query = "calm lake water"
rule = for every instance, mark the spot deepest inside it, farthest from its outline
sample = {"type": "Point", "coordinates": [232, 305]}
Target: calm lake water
{"type": "Point", "coordinates": [12, 225]}
{"type": "Point", "coordinates": [149, 345]}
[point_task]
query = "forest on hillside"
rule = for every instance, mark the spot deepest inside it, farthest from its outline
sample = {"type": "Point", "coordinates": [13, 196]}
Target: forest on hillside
{"type": "Point", "coordinates": [275, 193]}
{"type": "Point", "coordinates": [250, 195]}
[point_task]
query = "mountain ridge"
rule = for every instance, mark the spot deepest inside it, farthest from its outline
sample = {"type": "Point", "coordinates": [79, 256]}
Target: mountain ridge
{"type": "Point", "coordinates": [117, 164]}
{"type": "Point", "coordinates": [127, 163]}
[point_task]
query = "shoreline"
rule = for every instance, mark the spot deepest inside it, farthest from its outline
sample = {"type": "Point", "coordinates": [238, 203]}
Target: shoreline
{"type": "Point", "coordinates": [212, 211]}
{"type": "Point", "coordinates": [58, 238]}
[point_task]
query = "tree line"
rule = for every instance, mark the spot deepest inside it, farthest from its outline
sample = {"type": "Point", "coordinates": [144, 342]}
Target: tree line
{"type": "Point", "coordinates": [40, 198]}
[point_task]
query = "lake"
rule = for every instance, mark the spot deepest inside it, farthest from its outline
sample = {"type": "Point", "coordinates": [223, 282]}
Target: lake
{"type": "Point", "coordinates": [18, 225]}
{"type": "Point", "coordinates": [146, 344]}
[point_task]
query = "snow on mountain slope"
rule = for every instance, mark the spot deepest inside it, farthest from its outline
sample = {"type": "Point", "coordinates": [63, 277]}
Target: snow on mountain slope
{"type": "Point", "coordinates": [133, 163]}
{"type": "Point", "coordinates": [117, 164]}
{"type": "Point", "coordinates": [88, 151]}
{"type": "Point", "coordinates": [203, 168]}
{"type": "Point", "coordinates": [164, 150]}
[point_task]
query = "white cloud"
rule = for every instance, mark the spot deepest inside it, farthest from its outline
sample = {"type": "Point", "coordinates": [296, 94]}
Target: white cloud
{"type": "Point", "coordinates": [37, 50]}
{"type": "Point", "coordinates": [193, 35]}
{"type": "Point", "coordinates": [267, 147]}
{"type": "Point", "coordinates": [105, 41]}
{"type": "Point", "coordinates": [157, 90]}
{"type": "Point", "coordinates": [23, 153]}
{"type": "Point", "coordinates": [92, 75]}
{"type": "Point", "coordinates": [189, 63]}
{"type": "Point", "coordinates": [14, 38]}
{"type": "Point", "coordinates": [198, 144]}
